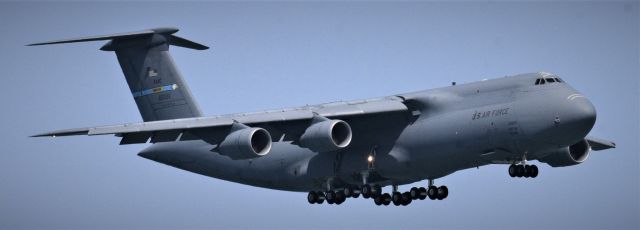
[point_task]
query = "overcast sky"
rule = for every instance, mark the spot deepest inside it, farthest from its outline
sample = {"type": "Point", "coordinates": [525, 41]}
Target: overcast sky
{"type": "Point", "coordinates": [271, 55]}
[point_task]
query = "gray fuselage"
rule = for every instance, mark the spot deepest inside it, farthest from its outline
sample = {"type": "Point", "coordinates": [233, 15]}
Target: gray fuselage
{"type": "Point", "coordinates": [453, 128]}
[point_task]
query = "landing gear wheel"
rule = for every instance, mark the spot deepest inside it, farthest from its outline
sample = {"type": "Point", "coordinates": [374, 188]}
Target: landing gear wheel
{"type": "Point", "coordinates": [443, 192]}
{"type": "Point", "coordinates": [386, 199]}
{"type": "Point", "coordinates": [396, 198]}
{"type": "Point", "coordinates": [519, 170]}
{"type": "Point", "coordinates": [422, 193]}
{"type": "Point", "coordinates": [415, 193]}
{"type": "Point", "coordinates": [340, 198]}
{"type": "Point", "coordinates": [321, 198]}
{"type": "Point", "coordinates": [534, 171]}
{"type": "Point", "coordinates": [312, 197]}
{"type": "Point", "coordinates": [366, 191]}
{"type": "Point", "coordinates": [331, 197]}
{"type": "Point", "coordinates": [348, 191]}
{"type": "Point", "coordinates": [432, 192]}
{"type": "Point", "coordinates": [406, 198]}
{"type": "Point", "coordinates": [377, 191]}
{"type": "Point", "coordinates": [527, 171]}
{"type": "Point", "coordinates": [378, 200]}
{"type": "Point", "coordinates": [512, 170]}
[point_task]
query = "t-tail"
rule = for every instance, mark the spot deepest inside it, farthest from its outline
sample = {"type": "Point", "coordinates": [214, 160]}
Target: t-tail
{"type": "Point", "coordinates": [155, 83]}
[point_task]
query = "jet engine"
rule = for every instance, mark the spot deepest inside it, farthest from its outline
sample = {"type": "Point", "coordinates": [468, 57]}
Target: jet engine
{"type": "Point", "coordinates": [567, 156]}
{"type": "Point", "coordinates": [325, 136]}
{"type": "Point", "coordinates": [246, 143]}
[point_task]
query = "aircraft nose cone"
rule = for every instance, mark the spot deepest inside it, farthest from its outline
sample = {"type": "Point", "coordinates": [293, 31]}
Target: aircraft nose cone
{"type": "Point", "coordinates": [585, 114]}
{"type": "Point", "coordinates": [581, 117]}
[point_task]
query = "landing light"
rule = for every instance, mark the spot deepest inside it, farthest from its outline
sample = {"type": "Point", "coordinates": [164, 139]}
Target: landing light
{"type": "Point", "coordinates": [370, 159]}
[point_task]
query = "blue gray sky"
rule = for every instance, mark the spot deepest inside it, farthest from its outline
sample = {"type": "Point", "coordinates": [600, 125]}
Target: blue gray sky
{"type": "Point", "coordinates": [268, 55]}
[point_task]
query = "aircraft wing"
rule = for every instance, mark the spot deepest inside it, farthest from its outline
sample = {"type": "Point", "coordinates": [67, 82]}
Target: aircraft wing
{"type": "Point", "coordinates": [598, 144]}
{"type": "Point", "coordinates": [283, 124]}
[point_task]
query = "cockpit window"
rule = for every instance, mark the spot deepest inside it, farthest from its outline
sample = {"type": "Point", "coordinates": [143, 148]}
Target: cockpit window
{"type": "Point", "coordinates": [542, 81]}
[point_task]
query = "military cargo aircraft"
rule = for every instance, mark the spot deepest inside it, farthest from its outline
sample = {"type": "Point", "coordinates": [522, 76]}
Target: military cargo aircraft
{"type": "Point", "coordinates": [341, 150]}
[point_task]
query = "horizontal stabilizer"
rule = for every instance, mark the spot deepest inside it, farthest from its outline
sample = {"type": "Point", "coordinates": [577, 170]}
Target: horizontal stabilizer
{"type": "Point", "coordinates": [99, 37]}
{"type": "Point", "coordinates": [166, 32]}
{"type": "Point", "coordinates": [178, 41]}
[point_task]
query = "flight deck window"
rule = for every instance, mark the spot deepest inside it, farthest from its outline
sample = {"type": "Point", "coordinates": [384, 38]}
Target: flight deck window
{"type": "Point", "coordinates": [538, 81]}
{"type": "Point", "coordinates": [558, 80]}
{"type": "Point", "coordinates": [542, 81]}
{"type": "Point", "coordinates": [550, 80]}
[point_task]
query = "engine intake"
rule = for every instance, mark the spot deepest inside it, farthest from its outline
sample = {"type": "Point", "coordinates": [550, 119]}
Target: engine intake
{"type": "Point", "coordinates": [567, 156]}
{"type": "Point", "coordinates": [326, 136]}
{"type": "Point", "coordinates": [246, 143]}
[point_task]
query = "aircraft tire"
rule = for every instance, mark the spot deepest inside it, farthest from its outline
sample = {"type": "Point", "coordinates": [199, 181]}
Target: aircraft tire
{"type": "Point", "coordinates": [527, 171]}
{"type": "Point", "coordinates": [443, 192]}
{"type": "Point", "coordinates": [340, 198]}
{"type": "Point", "coordinates": [348, 191]}
{"type": "Point", "coordinates": [355, 195]}
{"type": "Point", "coordinates": [376, 191]}
{"type": "Point", "coordinates": [432, 192]}
{"type": "Point", "coordinates": [512, 170]}
{"type": "Point", "coordinates": [396, 198]}
{"type": "Point", "coordinates": [406, 198]}
{"type": "Point", "coordinates": [423, 193]}
{"type": "Point", "coordinates": [386, 199]}
{"type": "Point", "coordinates": [312, 197]}
{"type": "Point", "coordinates": [415, 193]}
{"type": "Point", "coordinates": [366, 191]}
{"type": "Point", "coordinates": [331, 197]}
{"type": "Point", "coordinates": [519, 170]}
{"type": "Point", "coordinates": [534, 171]}
{"type": "Point", "coordinates": [377, 200]}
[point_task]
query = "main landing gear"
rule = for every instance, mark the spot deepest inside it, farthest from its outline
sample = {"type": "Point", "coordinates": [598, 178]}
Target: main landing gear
{"type": "Point", "coordinates": [332, 197]}
{"type": "Point", "coordinates": [523, 170]}
{"type": "Point", "coordinates": [375, 191]}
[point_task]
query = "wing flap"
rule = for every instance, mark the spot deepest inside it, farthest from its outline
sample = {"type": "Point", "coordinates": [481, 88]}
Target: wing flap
{"type": "Point", "coordinates": [165, 136]}
{"type": "Point", "coordinates": [135, 138]}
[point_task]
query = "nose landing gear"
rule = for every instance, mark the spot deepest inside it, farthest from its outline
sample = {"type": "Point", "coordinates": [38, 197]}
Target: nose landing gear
{"type": "Point", "coordinates": [523, 170]}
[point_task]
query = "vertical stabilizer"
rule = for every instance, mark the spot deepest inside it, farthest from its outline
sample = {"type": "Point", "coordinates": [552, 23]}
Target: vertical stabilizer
{"type": "Point", "coordinates": [156, 85]}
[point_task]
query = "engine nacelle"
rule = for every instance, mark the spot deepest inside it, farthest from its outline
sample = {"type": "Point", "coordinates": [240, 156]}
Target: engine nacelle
{"type": "Point", "coordinates": [567, 156]}
{"type": "Point", "coordinates": [246, 143]}
{"type": "Point", "coordinates": [326, 136]}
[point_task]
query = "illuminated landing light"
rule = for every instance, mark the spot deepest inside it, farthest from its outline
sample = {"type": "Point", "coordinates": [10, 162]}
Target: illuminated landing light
{"type": "Point", "coordinates": [370, 159]}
